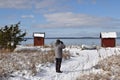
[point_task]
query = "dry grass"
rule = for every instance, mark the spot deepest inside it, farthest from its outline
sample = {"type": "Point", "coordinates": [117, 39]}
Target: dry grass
{"type": "Point", "coordinates": [110, 67]}
{"type": "Point", "coordinates": [92, 76]}
{"type": "Point", "coordinates": [26, 59]}
{"type": "Point", "coordinates": [5, 50]}
{"type": "Point", "coordinates": [109, 62]}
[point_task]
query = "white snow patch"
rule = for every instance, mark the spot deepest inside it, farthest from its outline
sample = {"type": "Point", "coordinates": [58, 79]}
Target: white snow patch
{"type": "Point", "coordinates": [81, 62]}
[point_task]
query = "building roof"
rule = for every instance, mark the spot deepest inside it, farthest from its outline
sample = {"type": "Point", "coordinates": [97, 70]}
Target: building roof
{"type": "Point", "coordinates": [108, 35]}
{"type": "Point", "coordinates": [39, 34]}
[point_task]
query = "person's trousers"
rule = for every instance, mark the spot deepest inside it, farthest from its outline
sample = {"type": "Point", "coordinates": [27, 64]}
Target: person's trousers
{"type": "Point", "coordinates": [58, 64]}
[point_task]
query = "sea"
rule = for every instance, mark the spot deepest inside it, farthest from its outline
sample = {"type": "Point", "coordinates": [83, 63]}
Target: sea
{"type": "Point", "coordinates": [70, 41]}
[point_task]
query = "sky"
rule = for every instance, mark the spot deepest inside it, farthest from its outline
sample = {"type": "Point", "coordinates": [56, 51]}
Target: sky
{"type": "Point", "coordinates": [62, 18]}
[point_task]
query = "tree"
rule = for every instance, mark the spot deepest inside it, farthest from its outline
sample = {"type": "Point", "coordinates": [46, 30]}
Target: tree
{"type": "Point", "coordinates": [11, 36]}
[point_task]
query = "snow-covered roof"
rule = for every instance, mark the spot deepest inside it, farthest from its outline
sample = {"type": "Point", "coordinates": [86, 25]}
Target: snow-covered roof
{"type": "Point", "coordinates": [39, 35]}
{"type": "Point", "coordinates": [108, 35]}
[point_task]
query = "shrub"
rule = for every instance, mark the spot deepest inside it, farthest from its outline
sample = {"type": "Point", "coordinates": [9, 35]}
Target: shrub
{"type": "Point", "coordinates": [110, 67]}
{"type": "Point", "coordinates": [11, 36]}
{"type": "Point", "coordinates": [27, 60]}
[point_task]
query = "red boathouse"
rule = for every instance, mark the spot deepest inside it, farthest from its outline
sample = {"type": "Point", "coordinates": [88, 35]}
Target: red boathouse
{"type": "Point", "coordinates": [108, 39]}
{"type": "Point", "coordinates": [39, 38]}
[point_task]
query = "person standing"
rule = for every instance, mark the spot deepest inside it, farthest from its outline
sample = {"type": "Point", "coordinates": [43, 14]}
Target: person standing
{"type": "Point", "coordinates": [59, 46]}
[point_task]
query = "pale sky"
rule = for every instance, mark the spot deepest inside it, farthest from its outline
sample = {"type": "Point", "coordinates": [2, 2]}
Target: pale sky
{"type": "Point", "coordinates": [62, 17]}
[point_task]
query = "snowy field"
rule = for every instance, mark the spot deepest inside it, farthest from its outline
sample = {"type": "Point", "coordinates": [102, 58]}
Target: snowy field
{"type": "Point", "coordinates": [81, 62]}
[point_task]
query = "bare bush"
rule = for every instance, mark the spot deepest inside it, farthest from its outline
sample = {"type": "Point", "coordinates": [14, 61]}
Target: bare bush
{"type": "Point", "coordinates": [92, 76]}
{"type": "Point", "coordinates": [110, 67]}
{"type": "Point", "coordinates": [26, 60]}
{"type": "Point", "coordinates": [66, 55]}
{"type": "Point", "coordinates": [110, 63]}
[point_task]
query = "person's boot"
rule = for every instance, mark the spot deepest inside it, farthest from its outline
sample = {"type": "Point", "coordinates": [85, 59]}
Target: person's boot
{"type": "Point", "coordinates": [59, 66]}
{"type": "Point", "coordinates": [58, 69]}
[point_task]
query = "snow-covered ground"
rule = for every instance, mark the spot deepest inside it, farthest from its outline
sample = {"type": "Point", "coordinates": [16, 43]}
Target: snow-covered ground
{"type": "Point", "coordinates": [81, 62]}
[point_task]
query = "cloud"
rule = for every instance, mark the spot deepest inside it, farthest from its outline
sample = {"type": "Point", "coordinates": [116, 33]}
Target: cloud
{"type": "Point", "coordinates": [44, 3]}
{"type": "Point", "coordinates": [69, 19]}
{"type": "Point", "coordinates": [41, 6]}
{"type": "Point", "coordinates": [84, 1]}
{"type": "Point", "coordinates": [94, 1]}
{"type": "Point", "coordinates": [27, 16]}
{"type": "Point", "coordinates": [17, 4]}
{"type": "Point", "coordinates": [37, 5]}
{"type": "Point", "coordinates": [48, 6]}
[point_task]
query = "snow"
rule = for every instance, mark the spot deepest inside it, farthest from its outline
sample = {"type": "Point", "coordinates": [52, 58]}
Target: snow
{"type": "Point", "coordinates": [81, 62]}
{"type": "Point", "coordinates": [39, 35]}
{"type": "Point", "coordinates": [108, 35]}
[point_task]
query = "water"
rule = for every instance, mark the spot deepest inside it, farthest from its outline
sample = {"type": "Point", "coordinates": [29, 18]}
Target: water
{"type": "Point", "coordinates": [88, 41]}
{"type": "Point", "coordinates": [76, 41]}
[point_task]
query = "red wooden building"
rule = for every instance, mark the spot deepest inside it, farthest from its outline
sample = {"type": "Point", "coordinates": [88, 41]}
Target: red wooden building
{"type": "Point", "coordinates": [39, 39]}
{"type": "Point", "coordinates": [108, 39]}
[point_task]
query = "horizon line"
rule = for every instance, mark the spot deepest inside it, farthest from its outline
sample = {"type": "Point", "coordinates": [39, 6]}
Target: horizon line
{"type": "Point", "coordinates": [68, 37]}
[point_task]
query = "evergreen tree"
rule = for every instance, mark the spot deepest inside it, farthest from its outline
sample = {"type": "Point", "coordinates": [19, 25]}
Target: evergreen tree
{"type": "Point", "coordinates": [11, 36]}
